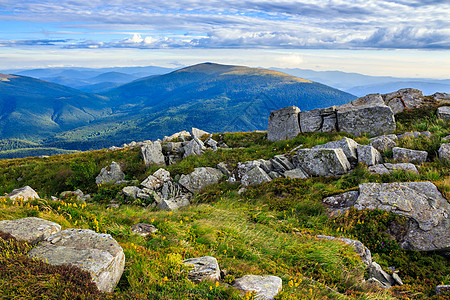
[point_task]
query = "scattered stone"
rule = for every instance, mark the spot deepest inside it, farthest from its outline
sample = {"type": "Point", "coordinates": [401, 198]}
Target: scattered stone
{"type": "Point", "coordinates": [114, 148]}
{"type": "Point", "coordinates": [266, 287]}
{"type": "Point", "coordinates": [255, 176]}
{"type": "Point", "coordinates": [397, 279]}
{"type": "Point", "coordinates": [211, 143]}
{"type": "Point", "coordinates": [25, 193]}
{"type": "Point", "coordinates": [443, 113]}
{"type": "Point", "coordinates": [162, 175]}
{"type": "Point", "coordinates": [295, 174]}
{"type": "Point", "coordinates": [131, 191]}
{"type": "Point", "coordinates": [442, 97]}
{"type": "Point", "coordinates": [444, 151]}
{"type": "Point", "coordinates": [157, 180]}
{"type": "Point", "coordinates": [375, 271]}
{"type": "Point", "coordinates": [283, 124]}
{"type": "Point", "coordinates": [75, 195]}
{"type": "Point", "coordinates": [408, 155]}
{"type": "Point", "coordinates": [152, 153]}
{"type": "Point", "coordinates": [242, 190]}
{"type": "Point", "coordinates": [200, 178]}
{"type": "Point", "coordinates": [97, 253]}
{"type": "Point", "coordinates": [110, 175]}
{"type": "Point", "coordinates": [344, 200]}
{"type": "Point", "coordinates": [388, 168]}
{"type": "Point", "coordinates": [347, 145]}
{"type": "Point", "coordinates": [322, 162]}
{"type": "Point", "coordinates": [222, 167]}
{"type": "Point", "coordinates": [198, 133]}
{"type": "Point", "coordinates": [194, 147]}
{"type": "Point", "coordinates": [426, 134]}
{"type": "Point", "coordinates": [368, 155]}
{"type": "Point", "coordinates": [143, 229]}
{"type": "Point", "coordinates": [359, 248]}
{"type": "Point", "coordinates": [182, 135]}
{"type": "Point", "coordinates": [31, 230]}
{"type": "Point", "coordinates": [420, 202]}
{"type": "Point", "coordinates": [384, 142]}
{"type": "Point", "coordinates": [53, 198]}
{"type": "Point", "coordinates": [203, 268]}
{"type": "Point", "coordinates": [442, 288]}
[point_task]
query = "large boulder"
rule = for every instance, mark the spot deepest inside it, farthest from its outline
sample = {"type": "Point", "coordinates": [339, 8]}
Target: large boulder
{"type": "Point", "coordinates": [322, 162]}
{"type": "Point", "coordinates": [347, 145]}
{"type": "Point", "coordinates": [388, 168]}
{"type": "Point", "coordinates": [151, 152]}
{"type": "Point", "coordinates": [404, 98]}
{"type": "Point", "coordinates": [368, 155]}
{"type": "Point", "coordinates": [99, 254]}
{"type": "Point", "coordinates": [443, 113]}
{"type": "Point", "coordinates": [266, 287]}
{"type": "Point", "coordinates": [200, 178]}
{"type": "Point", "coordinates": [31, 230]}
{"type": "Point", "coordinates": [427, 210]}
{"type": "Point", "coordinates": [194, 147]}
{"type": "Point", "coordinates": [203, 268]}
{"type": "Point", "coordinates": [283, 124]}
{"type": "Point", "coordinates": [255, 176]}
{"type": "Point", "coordinates": [444, 151]}
{"type": "Point", "coordinates": [366, 115]}
{"type": "Point", "coordinates": [110, 175]}
{"type": "Point", "coordinates": [408, 155]}
{"type": "Point", "coordinates": [322, 119]}
{"type": "Point", "coordinates": [24, 194]}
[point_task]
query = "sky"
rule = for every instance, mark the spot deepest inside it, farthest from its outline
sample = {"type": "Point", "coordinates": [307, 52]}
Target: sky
{"type": "Point", "coordinates": [403, 38]}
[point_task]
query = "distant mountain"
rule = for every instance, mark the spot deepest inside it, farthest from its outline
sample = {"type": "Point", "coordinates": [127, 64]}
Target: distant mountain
{"type": "Point", "coordinates": [428, 88]}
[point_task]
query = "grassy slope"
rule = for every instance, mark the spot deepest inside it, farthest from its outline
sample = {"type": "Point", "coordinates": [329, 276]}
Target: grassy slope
{"type": "Point", "coordinates": [269, 229]}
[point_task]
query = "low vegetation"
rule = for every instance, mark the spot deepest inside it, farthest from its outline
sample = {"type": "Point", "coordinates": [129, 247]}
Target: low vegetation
{"type": "Point", "coordinates": [269, 229]}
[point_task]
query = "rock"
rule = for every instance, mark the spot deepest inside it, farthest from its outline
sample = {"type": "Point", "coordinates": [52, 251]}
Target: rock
{"type": "Point", "coordinates": [157, 179]}
{"type": "Point", "coordinates": [295, 174]}
{"type": "Point", "coordinates": [172, 196]}
{"type": "Point", "coordinates": [162, 175]}
{"type": "Point", "coordinates": [375, 271]}
{"type": "Point", "coordinates": [274, 174]}
{"type": "Point", "coordinates": [26, 193]}
{"type": "Point", "coordinates": [404, 98]}
{"type": "Point", "coordinates": [266, 287]}
{"type": "Point", "coordinates": [97, 253]}
{"type": "Point", "coordinates": [211, 144]}
{"type": "Point", "coordinates": [384, 142]}
{"type": "Point", "coordinates": [279, 163]}
{"type": "Point", "coordinates": [368, 155]}
{"type": "Point", "coordinates": [343, 200]}
{"type": "Point", "coordinates": [442, 288]}
{"type": "Point", "coordinates": [397, 279]}
{"type": "Point", "coordinates": [347, 145]}
{"type": "Point", "coordinates": [194, 147]}
{"type": "Point", "coordinates": [203, 268]}
{"type": "Point", "coordinates": [114, 148]}
{"type": "Point", "coordinates": [408, 155]}
{"type": "Point", "coordinates": [200, 178]}
{"type": "Point", "coordinates": [174, 203]}
{"type": "Point", "coordinates": [283, 124]}
{"type": "Point", "coordinates": [373, 119]}
{"type": "Point", "coordinates": [182, 135]}
{"type": "Point", "coordinates": [376, 282]}
{"type": "Point", "coordinates": [131, 191]}
{"type": "Point", "coordinates": [406, 135]}
{"type": "Point", "coordinates": [172, 148]}
{"type": "Point", "coordinates": [322, 162]}
{"type": "Point", "coordinates": [74, 195]}
{"type": "Point", "coordinates": [110, 175]}
{"type": "Point", "coordinates": [222, 167]}
{"type": "Point", "coordinates": [444, 151]}
{"type": "Point", "coordinates": [421, 202]}
{"type": "Point", "coordinates": [31, 230]}
{"type": "Point", "coordinates": [443, 113]}
{"type": "Point", "coordinates": [255, 176]}
{"type": "Point", "coordinates": [143, 229]}
{"type": "Point", "coordinates": [198, 133]}
{"type": "Point", "coordinates": [359, 248]}
{"type": "Point", "coordinates": [446, 138]}
{"type": "Point", "coordinates": [323, 119]}
{"type": "Point", "coordinates": [388, 168]}
{"type": "Point", "coordinates": [427, 134]}
{"type": "Point", "coordinates": [152, 153]}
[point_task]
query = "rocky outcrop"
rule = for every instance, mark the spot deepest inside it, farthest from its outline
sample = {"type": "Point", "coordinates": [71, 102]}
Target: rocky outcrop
{"type": "Point", "coordinates": [388, 168]}
{"type": "Point", "coordinates": [172, 196]}
{"type": "Point", "coordinates": [266, 287]}
{"type": "Point", "coordinates": [26, 193]}
{"type": "Point", "coordinates": [368, 155]}
{"type": "Point", "coordinates": [31, 230]}
{"type": "Point", "coordinates": [203, 268]}
{"type": "Point", "coordinates": [347, 145]}
{"type": "Point", "coordinates": [408, 155]}
{"type": "Point", "coordinates": [198, 133]}
{"type": "Point", "coordinates": [444, 151]}
{"type": "Point", "coordinates": [283, 124]}
{"type": "Point", "coordinates": [194, 147]}
{"type": "Point", "coordinates": [182, 135]}
{"type": "Point", "coordinates": [295, 173]}
{"type": "Point", "coordinates": [99, 254]}
{"type": "Point", "coordinates": [200, 178]}
{"type": "Point", "coordinates": [443, 113]}
{"type": "Point", "coordinates": [110, 175]}
{"type": "Point", "coordinates": [322, 162]}
{"type": "Point", "coordinates": [318, 120]}
{"type": "Point", "coordinates": [404, 98]}
{"type": "Point", "coordinates": [152, 153]}
{"type": "Point", "coordinates": [143, 229]}
{"type": "Point", "coordinates": [427, 210]}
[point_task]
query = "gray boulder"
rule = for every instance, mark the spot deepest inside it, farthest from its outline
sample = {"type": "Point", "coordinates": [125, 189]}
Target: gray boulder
{"type": "Point", "coordinates": [444, 151]}
{"type": "Point", "coordinates": [368, 155]}
{"type": "Point", "coordinates": [131, 191]}
{"type": "Point", "coordinates": [404, 98]}
{"type": "Point", "coordinates": [384, 142]}
{"type": "Point", "coordinates": [443, 113]}
{"type": "Point", "coordinates": [110, 175]}
{"type": "Point", "coordinates": [198, 133]}
{"type": "Point", "coordinates": [295, 174]}
{"type": "Point", "coordinates": [222, 167]}
{"type": "Point", "coordinates": [266, 287]}
{"type": "Point", "coordinates": [255, 176]}
{"type": "Point", "coordinates": [31, 230]}
{"type": "Point", "coordinates": [279, 163]}
{"type": "Point", "coordinates": [99, 254]}
{"type": "Point", "coordinates": [360, 249]}
{"type": "Point", "coordinates": [322, 162]}
{"type": "Point", "coordinates": [421, 202]}
{"type": "Point", "coordinates": [375, 271]}
{"type": "Point", "coordinates": [339, 204]}
{"type": "Point", "coordinates": [203, 268]}
{"type": "Point", "coordinates": [182, 135]}
{"type": "Point", "coordinates": [200, 178]}
{"type": "Point", "coordinates": [388, 168]}
{"type": "Point", "coordinates": [152, 153]}
{"type": "Point", "coordinates": [442, 288]}
{"type": "Point", "coordinates": [171, 196]}
{"type": "Point", "coordinates": [347, 145]}
{"type": "Point", "coordinates": [143, 229]}
{"type": "Point", "coordinates": [157, 179]}
{"type": "Point", "coordinates": [211, 144]}
{"type": "Point", "coordinates": [408, 155]}
{"type": "Point", "coordinates": [322, 119]}
{"type": "Point", "coordinates": [283, 124]}
{"type": "Point", "coordinates": [25, 193]}
{"type": "Point", "coordinates": [194, 147]}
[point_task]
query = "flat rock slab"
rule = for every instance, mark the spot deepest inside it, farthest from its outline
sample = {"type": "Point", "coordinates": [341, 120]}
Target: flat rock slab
{"type": "Point", "coordinates": [323, 162]}
{"type": "Point", "coordinates": [408, 155]}
{"type": "Point", "coordinates": [421, 202]}
{"type": "Point", "coordinates": [203, 268]}
{"type": "Point", "coordinates": [31, 230]}
{"type": "Point", "coordinates": [144, 229]}
{"type": "Point", "coordinates": [25, 193]}
{"type": "Point", "coordinates": [96, 253]}
{"type": "Point", "coordinates": [200, 178]}
{"type": "Point", "coordinates": [266, 287]}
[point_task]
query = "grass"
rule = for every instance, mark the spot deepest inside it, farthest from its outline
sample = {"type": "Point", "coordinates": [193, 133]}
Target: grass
{"type": "Point", "coordinates": [269, 229]}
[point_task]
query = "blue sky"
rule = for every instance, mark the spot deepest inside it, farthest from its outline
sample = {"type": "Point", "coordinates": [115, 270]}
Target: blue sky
{"type": "Point", "coordinates": [377, 37]}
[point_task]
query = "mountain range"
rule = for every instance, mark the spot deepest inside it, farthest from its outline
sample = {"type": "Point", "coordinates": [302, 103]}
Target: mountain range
{"type": "Point", "coordinates": [210, 96]}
